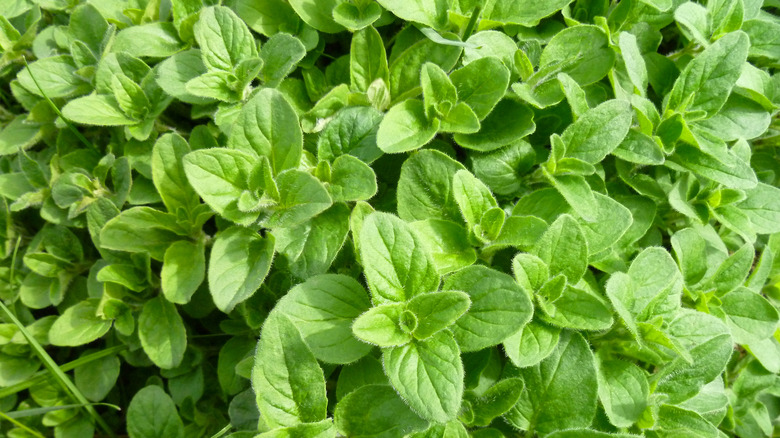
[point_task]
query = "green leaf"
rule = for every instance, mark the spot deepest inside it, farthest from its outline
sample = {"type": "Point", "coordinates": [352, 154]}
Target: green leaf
{"type": "Point", "coordinates": [280, 54]}
{"type": "Point", "coordinates": [381, 326]}
{"type": "Point", "coordinates": [18, 135]}
{"type": "Point", "coordinates": [351, 131]}
{"type": "Point", "coordinates": [405, 128]}
{"type": "Point", "coordinates": [162, 333]}
{"type": "Point", "coordinates": [152, 414]}
{"type": "Point", "coordinates": [425, 188]}
{"type": "Point", "coordinates": [734, 270]}
{"type": "Point", "coordinates": [481, 84]}
{"type": "Point", "coordinates": [705, 83]}
{"type": "Point", "coordinates": [405, 66]}
{"type": "Point", "coordinates": [598, 132]}
{"type": "Point", "coordinates": [312, 246]}
{"type": "Point", "coordinates": [56, 76]}
{"type": "Point", "coordinates": [563, 249]}
{"type": "Point", "coordinates": [141, 229]}
{"type": "Point", "coordinates": [428, 12]}
{"type": "Point", "coordinates": [239, 262]}
{"type": "Point", "coordinates": [301, 197]}
{"type": "Point", "coordinates": [376, 411]}
{"type": "Point", "coordinates": [472, 196]}
{"type": "Point", "coordinates": [507, 123]}
{"type": "Point", "coordinates": [581, 51]}
{"type": "Point", "coordinates": [578, 194]}
{"type": "Point", "coordinates": [623, 391]}
{"type": "Point", "coordinates": [320, 429]}
{"type": "Point", "coordinates": [749, 315]}
{"type": "Point", "coordinates": [286, 377]}
{"type": "Point", "coordinates": [168, 173]}
{"type": "Point", "coordinates": [268, 17]}
{"type": "Point", "coordinates": [220, 176]}
{"type": "Point", "coordinates": [524, 12]}
{"type": "Point", "coordinates": [428, 375]}
{"type": "Point", "coordinates": [561, 391]}
{"type": "Point", "coordinates": [96, 109]}
{"type": "Point", "coordinates": [153, 40]}
{"type": "Point", "coordinates": [396, 263]}
{"type": "Point", "coordinates": [499, 307]}
{"type": "Point", "coordinates": [268, 126]}
{"type": "Point", "coordinates": [175, 72]}
{"type": "Point", "coordinates": [709, 344]}
{"type": "Point", "coordinates": [447, 243]}
{"type": "Point", "coordinates": [355, 18]}
{"type": "Point", "coordinates": [78, 325]}
{"type": "Point", "coordinates": [223, 38]}
{"type": "Point", "coordinates": [577, 308]}
{"type": "Point", "coordinates": [351, 180]}
{"type": "Point", "coordinates": [318, 14]}
{"type": "Point", "coordinates": [735, 174]}
{"type": "Point", "coordinates": [323, 309]}
{"type": "Point", "coordinates": [184, 268]}
{"type": "Point", "coordinates": [762, 206]}
{"type": "Point", "coordinates": [436, 311]}
{"type": "Point", "coordinates": [632, 58]}
{"type": "Point", "coordinates": [532, 344]}
{"type": "Point", "coordinates": [367, 59]}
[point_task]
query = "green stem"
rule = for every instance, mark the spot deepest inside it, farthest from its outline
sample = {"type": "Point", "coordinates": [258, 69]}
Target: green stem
{"type": "Point", "coordinates": [62, 378]}
{"type": "Point", "coordinates": [76, 132]}
{"type": "Point", "coordinates": [472, 22]}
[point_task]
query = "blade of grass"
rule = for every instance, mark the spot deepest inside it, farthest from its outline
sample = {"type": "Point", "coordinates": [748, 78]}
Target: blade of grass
{"type": "Point", "coordinates": [20, 425]}
{"type": "Point", "coordinates": [76, 132]}
{"type": "Point", "coordinates": [60, 375]}
{"type": "Point", "coordinates": [222, 432]}
{"type": "Point", "coordinates": [41, 376]}
{"type": "Point", "coordinates": [34, 412]}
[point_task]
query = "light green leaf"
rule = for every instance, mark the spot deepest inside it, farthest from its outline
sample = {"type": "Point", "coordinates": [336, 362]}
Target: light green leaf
{"type": "Point", "coordinates": [220, 176]}
{"type": "Point", "coordinates": [598, 132]}
{"type": "Point", "coordinates": [168, 173]}
{"type": "Point", "coordinates": [280, 55]}
{"type": "Point", "coordinates": [376, 411]}
{"type": "Point", "coordinates": [472, 196]}
{"type": "Point", "coordinates": [367, 59]}
{"type": "Point", "coordinates": [532, 344]}
{"type": "Point", "coordinates": [351, 131]}
{"type": "Point", "coordinates": [563, 249]}
{"type": "Point", "coordinates": [524, 12]}
{"type": "Point", "coordinates": [153, 40]}
{"type": "Point", "coordinates": [183, 270]}
{"type": "Point", "coordinates": [78, 325]}
{"type": "Point", "coordinates": [152, 414]}
{"type": "Point", "coordinates": [268, 126]}
{"type": "Point", "coordinates": [623, 391]}
{"type": "Point", "coordinates": [448, 244]}
{"type": "Point", "coordinates": [481, 84]}
{"type": "Point", "coordinates": [57, 77]}
{"type": "Point", "coordinates": [141, 229]}
{"type": "Point", "coordinates": [396, 263]}
{"type": "Point", "coordinates": [381, 326]}
{"type": "Point", "coordinates": [302, 196]}
{"type": "Point", "coordinates": [749, 315]}
{"type": "Point", "coordinates": [509, 121]}
{"type": "Point", "coordinates": [162, 333]}
{"type": "Point", "coordinates": [98, 110]}
{"type": "Point", "coordinates": [318, 14]}
{"type": "Point", "coordinates": [240, 260]}
{"type": "Point", "coordinates": [705, 83]}
{"type": "Point", "coordinates": [351, 180]}
{"type": "Point", "coordinates": [311, 246]}
{"type": "Point", "coordinates": [549, 402]}
{"type": "Point", "coordinates": [436, 311]}
{"type": "Point", "coordinates": [425, 187]}
{"type": "Point", "coordinates": [286, 377]}
{"type": "Point", "coordinates": [405, 128]}
{"type": "Point", "coordinates": [428, 375]}
{"type": "Point", "coordinates": [224, 39]}
{"type": "Point", "coordinates": [323, 309]}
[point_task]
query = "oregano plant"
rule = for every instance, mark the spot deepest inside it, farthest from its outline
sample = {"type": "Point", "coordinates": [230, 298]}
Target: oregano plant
{"type": "Point", "coordinates": [389, 218]}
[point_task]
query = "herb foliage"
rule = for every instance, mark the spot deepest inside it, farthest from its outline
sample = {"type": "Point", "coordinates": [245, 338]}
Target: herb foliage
{"type": "Point", "coordinates": [390, 218]}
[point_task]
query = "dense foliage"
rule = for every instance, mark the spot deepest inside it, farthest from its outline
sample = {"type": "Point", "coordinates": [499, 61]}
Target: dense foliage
{"type": "Point", "coordinates": [422, 218]}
